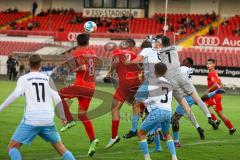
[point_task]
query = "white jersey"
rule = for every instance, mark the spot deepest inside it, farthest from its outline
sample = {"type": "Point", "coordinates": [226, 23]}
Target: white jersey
{"type": "Point", "coordinates": [186, 71]}
{"type": "Point", "coordinates": [151, 57]}
{"type": "Point", "coordinates": [39, 109]}
{"type": "Point", "coordinates": [160, 95]}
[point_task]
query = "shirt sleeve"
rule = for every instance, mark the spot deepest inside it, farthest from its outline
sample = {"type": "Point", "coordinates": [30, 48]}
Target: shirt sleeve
{"type": "Point", "coordinates": [144, 52]}
{"type": "Point", "coordinates": [57, 99]}
{"type": "Point", "coordinates": [19, 91]}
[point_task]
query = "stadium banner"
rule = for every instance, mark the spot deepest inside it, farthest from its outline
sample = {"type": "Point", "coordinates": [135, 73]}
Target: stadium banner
{"type": "Point", "coordinates": [222, 71]}
{"type": "Point", "coordinates": [107, 12]}
{"type": "Point", "coordinates": [66, 36]}
{"type": "Point", "coordinates": [212, 41]}
{"type": "Point", "coordinates": [71, 36]}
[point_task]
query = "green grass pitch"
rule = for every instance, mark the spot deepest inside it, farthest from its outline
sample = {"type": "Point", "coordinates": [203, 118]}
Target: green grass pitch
{"type": "Point", "coordinates": [218, 145]}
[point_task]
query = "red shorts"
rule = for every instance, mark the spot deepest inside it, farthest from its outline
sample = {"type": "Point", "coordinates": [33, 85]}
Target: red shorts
{"type": "Point", "coordinates": [215, 102]}
{"type": "Point", "coordinates": [126, 92]}
{"type": "Point", "coordinates": [84, 94]}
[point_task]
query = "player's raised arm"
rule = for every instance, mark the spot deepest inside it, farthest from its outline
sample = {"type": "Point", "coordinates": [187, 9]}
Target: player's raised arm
{"type": "Point", "coordinates": [137, 60]}
{"type": "Point", "coordinates": [19, 90]}
{"type": "Point", "coordinates": [115, 61]}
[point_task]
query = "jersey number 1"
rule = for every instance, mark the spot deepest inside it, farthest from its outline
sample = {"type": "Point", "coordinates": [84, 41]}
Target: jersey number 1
{"type": "Point", "coordinates": [37, 91]}
{"type": "Point", "coordinates": [169, 57]}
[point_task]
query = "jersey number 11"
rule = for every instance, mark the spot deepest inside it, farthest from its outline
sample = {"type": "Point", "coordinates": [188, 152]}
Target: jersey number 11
{"type": "Point", "coordinates": [37, 91]}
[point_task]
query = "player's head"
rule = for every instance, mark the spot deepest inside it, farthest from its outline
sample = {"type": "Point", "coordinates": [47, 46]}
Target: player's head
{"type": "Point", "coordinates": [35, 62]}
{"type": "Point", "coordinates": [130, 43]}
{"type": "Point", "coordinates": [166, 41]}
{"type": "Point", "coordinates": [187, 62]}
{"type": "Point", "coordinates": [157, 41]}
{"type": "Point", "coordinates": [211, 63]}
{"type": "Point", "coordinates": [83, 39]}
{"type": "Point", "coordinates": [146, 44]}
{"type": "Point", "coordinates": [160, 69]}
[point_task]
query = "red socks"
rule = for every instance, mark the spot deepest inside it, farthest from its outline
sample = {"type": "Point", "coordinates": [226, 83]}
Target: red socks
{"type": "Point", "coordinates": [115, 124]}
{"type": "Point", "coordinates": [228, 124]}
{"type": "Point", "coordinates": [214, 117]}
{"type": "Point", "coordinates": [88, 126]}
{"type": "Point", "coordinates": [89, 129]}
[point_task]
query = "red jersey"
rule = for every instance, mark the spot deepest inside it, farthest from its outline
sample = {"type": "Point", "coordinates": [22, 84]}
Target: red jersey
{"type": "Point", "coordinates": [85, 56]}
{"type": "Point", "coordinates": [127, 74]}
{"type": "Point", "coordinates": [213, 78]}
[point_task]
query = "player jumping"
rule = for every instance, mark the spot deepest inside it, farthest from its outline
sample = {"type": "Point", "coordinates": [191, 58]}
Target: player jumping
{"type": "Point", "coordinates": [127, 85]}
{"type": "Point", "coordinates": [186, 69]}
{"type": "Point", "coordinates": [39, 112]}
{"type": "Point", "coordinates": [214, 83]}
{"type": "Point", "coordinates": [182, 86]}
{"type": "Point", "coordinates": [135, 117]}
{"type": "Point", "coordinates": [82, 89]}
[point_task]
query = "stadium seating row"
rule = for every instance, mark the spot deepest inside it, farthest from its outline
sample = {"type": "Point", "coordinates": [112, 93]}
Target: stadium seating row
{"type": "Point", "coordinates": [9, 47]}
{"type": "Point", "coordinates": [225, 58]}
{"type": "Point", "coordinates": [229, 28]}
{"type": "Point", "coordinates": [6, 18]}
{"type": "Point", "coordinates": [136, 25]}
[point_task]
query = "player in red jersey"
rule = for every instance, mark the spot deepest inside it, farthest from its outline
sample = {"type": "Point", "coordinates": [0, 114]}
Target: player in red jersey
{"type": "Point", "coordinates": [128, 83]}
{"type": "Point", "coordinates": [214, 83]}
{"type": "Point", "coordinates": [82, 89]}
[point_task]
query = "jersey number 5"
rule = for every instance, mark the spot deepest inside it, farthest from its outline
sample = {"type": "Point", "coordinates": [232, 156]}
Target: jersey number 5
{"type": "Point", "coordinates": [37, 91]}
{"type": "Point", "coordinates": [166, 95]}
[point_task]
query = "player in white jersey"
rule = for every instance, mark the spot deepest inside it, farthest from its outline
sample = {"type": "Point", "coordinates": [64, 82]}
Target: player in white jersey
{"type": "Point", "coordinates": [148, 56]}
{"type": "Point", "coordinates": [39, 113]}
{"type": "Point", "coordinates": [182, 86]}
{"type": "Point", "coordinates": [186, 70]}
{"type": "Point", "coordinates": [159, 107]}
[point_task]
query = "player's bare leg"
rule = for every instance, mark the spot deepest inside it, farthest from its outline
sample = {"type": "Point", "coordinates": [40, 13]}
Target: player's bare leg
{"type": "Point", "coordinates": [116, 106]}
{"type": "Point", "coordinates": [175, 128]}
{"type": "Point", "coordinates": [13, 150]}
{"type": "Point", "coordinates": [227, 122]}
{"type": "Point", "coordinates": [66, 106]}
{"type": "Point", "coordinates": [61, 149]}
{"type": "Point", "coordinates": [185, 105]}
{"type": "Point", "coordinates": [204, 108]}
{"type": "Point", "coordinates": [135, 119]}
{"type": "Point", "coordinates": [70, 122]}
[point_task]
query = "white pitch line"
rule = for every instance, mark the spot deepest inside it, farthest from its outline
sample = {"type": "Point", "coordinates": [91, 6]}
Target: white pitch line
{"type": "Point", "coordinates": [136, 151]}
{"type": "Point", "coordinates": [211, 141]}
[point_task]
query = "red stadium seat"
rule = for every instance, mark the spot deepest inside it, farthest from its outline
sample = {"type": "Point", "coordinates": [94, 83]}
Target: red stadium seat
{"type": "Point", "coordinates": [9, 47]}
